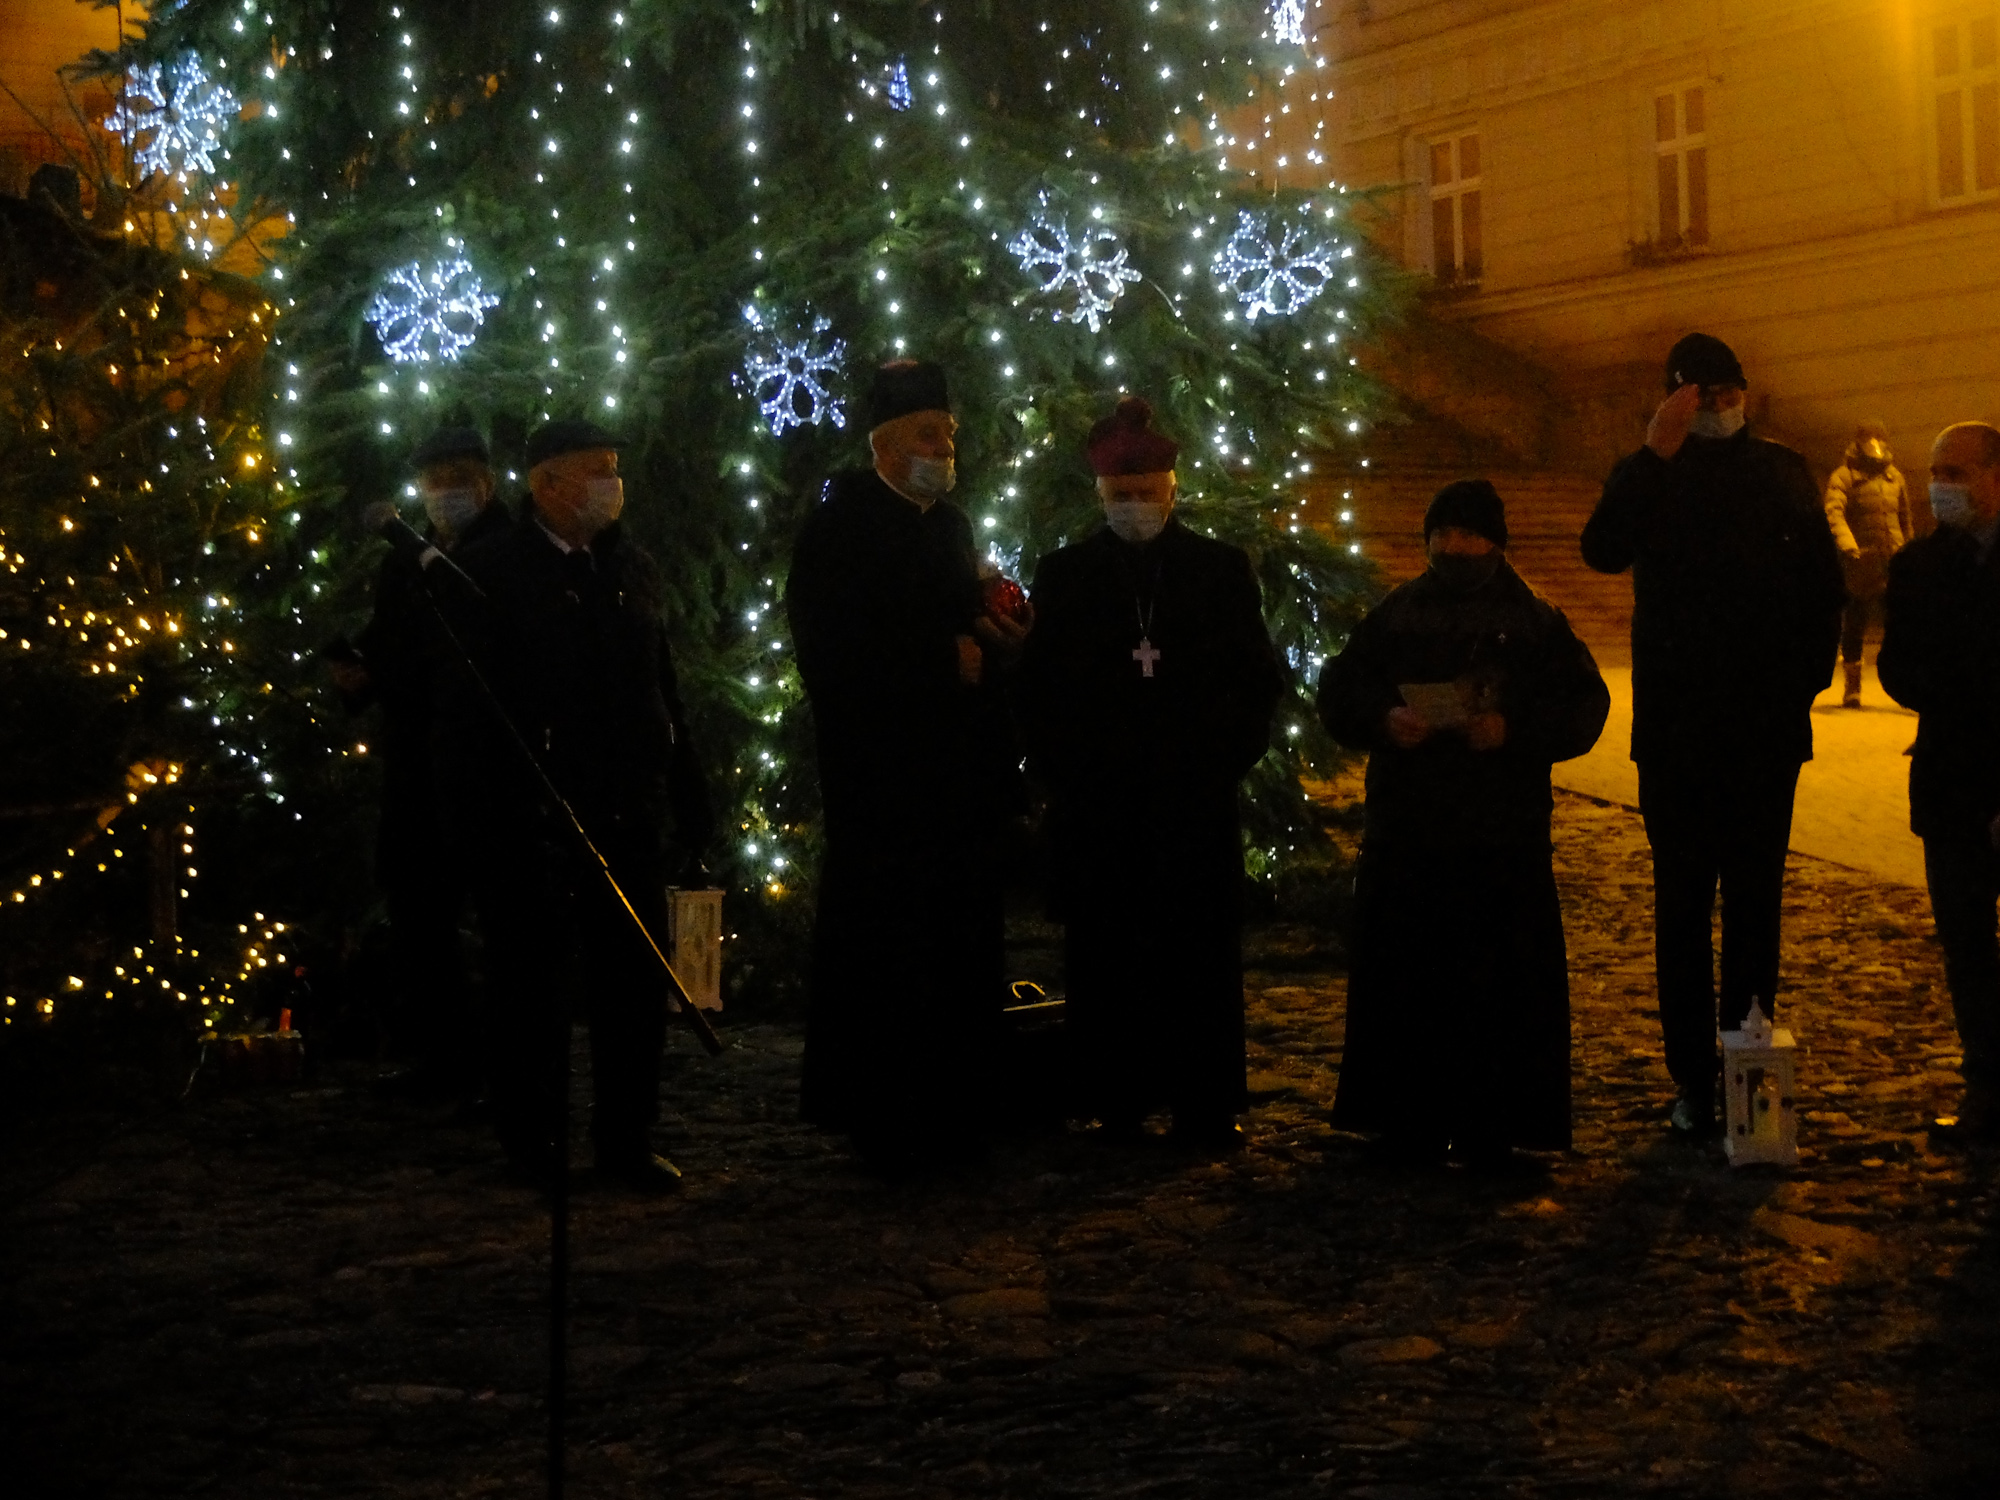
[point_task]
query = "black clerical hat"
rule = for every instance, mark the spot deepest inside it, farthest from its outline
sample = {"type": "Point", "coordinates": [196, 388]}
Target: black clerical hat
{"type": "Point", "coordinates": [906, 385]}
{"type": "Point", "coordinates": [449, 443]}
{"type": "Point", "coordinates": [568, 435]}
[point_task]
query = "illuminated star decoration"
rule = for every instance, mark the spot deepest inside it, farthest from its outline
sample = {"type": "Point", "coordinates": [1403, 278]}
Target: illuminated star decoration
{"type": "Point", "coordinates": [1091, 267]}
{"type": "Point", "coordinates": [182, 125]}
{"type": "Point", "coordinates": [425, 315]}
{"type": "Point", "coordinates": [787, 375]}
{"type": "Point", "coordinates": [1288, 21]}
{"type": "Point", "coordinates": [1267, 274]}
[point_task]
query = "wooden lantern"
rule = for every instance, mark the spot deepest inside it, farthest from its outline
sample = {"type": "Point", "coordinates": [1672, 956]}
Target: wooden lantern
{"type": "Point", "coordinates": [694, 942]}
{"type": "Point", "coordinates": [1760, 1117]}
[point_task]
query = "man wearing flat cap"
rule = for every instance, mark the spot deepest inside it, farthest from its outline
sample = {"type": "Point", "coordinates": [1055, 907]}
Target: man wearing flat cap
{"type": "Point", "coordinates": [903, 670]}
{"type": "Point", "coordinates": [1736, 604]}
{"type": "Point", "coordinates": [570, 635]}
{"type": "Point", "coordinates": [1464, 686]}
{"type": "Point", "coordinates": [1146, 693]}
{"type": "Point", "coordinates": [396, 664]}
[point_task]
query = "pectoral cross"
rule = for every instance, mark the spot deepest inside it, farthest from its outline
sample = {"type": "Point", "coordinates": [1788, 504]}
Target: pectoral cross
{"type": "Point", "coordinates": [1145, 655]}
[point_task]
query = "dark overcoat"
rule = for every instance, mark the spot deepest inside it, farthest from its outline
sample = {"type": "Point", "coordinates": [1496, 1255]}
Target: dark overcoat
{"type": "Point", "coordinates": [1736, 598]}
{"type": "Point", "coordinates": [1457, 956]}
{"type": "Point", "coordinates": [1141, 759]}
{"type": "Point", "coordinates": [1941, 656]}
{"type": "Point", "coordinates": [907, 978]}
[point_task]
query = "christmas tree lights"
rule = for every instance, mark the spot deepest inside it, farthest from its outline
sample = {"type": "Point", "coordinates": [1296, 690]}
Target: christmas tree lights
{"type": "Point", "coordinates": [429, 314]}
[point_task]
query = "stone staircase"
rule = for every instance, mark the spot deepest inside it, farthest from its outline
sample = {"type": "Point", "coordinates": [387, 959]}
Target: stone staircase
{"type": "Point", "coordinates": [1379, 509]}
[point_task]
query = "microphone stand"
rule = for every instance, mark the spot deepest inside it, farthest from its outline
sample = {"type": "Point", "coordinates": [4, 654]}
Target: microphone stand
{"type": "Point", "coordinates": [559, 1178]}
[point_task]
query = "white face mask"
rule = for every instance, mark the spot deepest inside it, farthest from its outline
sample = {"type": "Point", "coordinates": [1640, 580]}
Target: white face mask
{"type": "Point", "coordinates": [1952, 505]}
{"type": "Point", "coordinates": [453, 510]}
{"type": "Point", "coordinates": [603, 501]}
{"type": "Point", "coordinates": [1717, 424]}
{"type": "Point", "coordinates": [931, 477]}
{"type": "Point", "coordinates": [1137, 521]}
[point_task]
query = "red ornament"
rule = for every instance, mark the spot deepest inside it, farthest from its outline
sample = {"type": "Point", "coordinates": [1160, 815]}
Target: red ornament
{"type": "Point", "coordinates": [1005, 599]}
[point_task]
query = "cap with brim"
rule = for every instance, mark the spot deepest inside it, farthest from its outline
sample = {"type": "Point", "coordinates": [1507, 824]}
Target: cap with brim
{"type": "Point", "coordinates": [448, 443]}
{"type": "Point", "coordinates": [904, 386]}
{"type": "Point", "coordinates": [568, 435]}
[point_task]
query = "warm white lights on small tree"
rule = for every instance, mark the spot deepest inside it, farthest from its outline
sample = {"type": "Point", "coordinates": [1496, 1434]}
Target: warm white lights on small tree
{"type": "Point", "coordinates": [787, 375]}
{"type": "Point", "coordinates": [180, 118]}
{"type": "Point", "coordinates": [424, 315]}
{"type": "Point", "coordinates": [1272, 270]}
{"type": "Point", "coordinates": [1086, 270]}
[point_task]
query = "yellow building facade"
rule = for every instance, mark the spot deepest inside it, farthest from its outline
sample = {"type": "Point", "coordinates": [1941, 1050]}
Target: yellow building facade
{"type": "Point", "coordinates": [1815, 181]}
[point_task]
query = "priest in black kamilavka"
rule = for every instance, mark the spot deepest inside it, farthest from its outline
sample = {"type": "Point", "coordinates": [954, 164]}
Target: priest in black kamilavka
{"type": "Point", "coordinates": [1464, 686]}
{"type": "Point", "coordinates": [918, 773]}
{"type": "Point", "coordinates": [1146, 693]}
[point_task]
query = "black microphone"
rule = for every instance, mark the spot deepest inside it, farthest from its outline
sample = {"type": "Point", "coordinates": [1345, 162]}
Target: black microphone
{"type": "Point", "coordinates": [382, 519]}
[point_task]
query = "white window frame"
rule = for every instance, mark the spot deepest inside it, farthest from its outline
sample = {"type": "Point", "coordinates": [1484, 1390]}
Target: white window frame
{"type": "Point", "coordinates": [1683, 232]}
{"type": "Point", "coordinates": [1449, 197]}
{"type": "Point", "coordinates": [1974, 91]}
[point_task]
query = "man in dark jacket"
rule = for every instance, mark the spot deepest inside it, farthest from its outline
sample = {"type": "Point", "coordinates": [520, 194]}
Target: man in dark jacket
{"type": "Point", "coordinates": [1941, 656]}
{"type": "Point", "coordinates": [1737, 594]}
{"type": "Point", "coordinates": [396, 664]}
{"type": "Point", "coordinates": [903, 668]}
{"type": "Point", "coordinates": [1147, 690]}
{"type": "Point", "coordinates": [568, 632]}
{"type": "Point", "coordinates": [1464, 687]}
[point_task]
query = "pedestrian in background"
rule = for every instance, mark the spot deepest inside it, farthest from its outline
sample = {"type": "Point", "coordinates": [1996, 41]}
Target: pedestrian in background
{"type": "Point", "coordinates": [1868, 510]}
{"type": "Point", "coordinates": [1736, 604]}
{"type": "Point", "coordinates": [1146, 691]}
{"type": "Point", "coordinates": [397, 664]}
{"type": "Point", "coordinates": [1941, 656]}
{"type": "Point", "coordinates": [1458, 937]}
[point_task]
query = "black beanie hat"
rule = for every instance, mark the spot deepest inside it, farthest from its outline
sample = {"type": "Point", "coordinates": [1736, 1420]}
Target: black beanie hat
{"type": "Point", "coordinates": [1703, 359]}
{"type": "Point", "coordinates": [903, 386]}
{"type": "Point", "coordinates": [1471, 505]}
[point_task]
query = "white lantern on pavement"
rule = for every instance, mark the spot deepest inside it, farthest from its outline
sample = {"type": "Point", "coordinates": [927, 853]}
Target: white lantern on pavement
{"type": "Point", "coordinates": [1760, 1117]}
{"type": "Point", "coordinates": [694, 940]}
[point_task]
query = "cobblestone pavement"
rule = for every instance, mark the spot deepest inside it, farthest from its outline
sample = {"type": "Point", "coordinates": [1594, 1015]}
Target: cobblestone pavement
{"type": "Point", "coordinates": [309, 1293]}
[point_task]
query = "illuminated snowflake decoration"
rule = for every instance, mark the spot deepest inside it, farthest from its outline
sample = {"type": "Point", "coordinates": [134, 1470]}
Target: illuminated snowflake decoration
{"type": "Point", "coordinates": [1088, 269]}
{"type": "Point", "coordinates": [425, 315]}
{"type": "Point", "coordinates": [180, 116]}
{"type": "Point", "coordinates": [1288, 21]}
{"type": "Point", "coordinates": [900, 96]}
{"type": "Point", "coordinates": [1272, 274]}
{"type": "Point", "coordinates": [787, 371]}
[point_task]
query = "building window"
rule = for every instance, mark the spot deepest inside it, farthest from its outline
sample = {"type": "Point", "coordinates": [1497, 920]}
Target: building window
{"type": "Point", "coordinates": [1680, 142]}
{"type": "Point", "coordinates": [1965, 67]}
{"type": "Point", "coordinates": [1457, 256]}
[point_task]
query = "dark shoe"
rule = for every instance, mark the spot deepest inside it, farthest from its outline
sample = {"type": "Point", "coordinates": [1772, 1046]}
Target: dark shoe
{"type": "Point", "coordinates": [1122, 1130]}
{"type": "Point", "coordinates": [1693, 1117]}
{"type": "Point", "coordinates": [534, 1170]}
{"type": "Point", "coordinates": [415, 1086]}
{"type": "Point", "coordinates": [642, 1172]}
{"type": "Point", "coordinates": [1407, 1151]}
{"type": "Point", "coordinates": [1211, 1135]}
{"type": "Point", "coordinates": [1851, 698]}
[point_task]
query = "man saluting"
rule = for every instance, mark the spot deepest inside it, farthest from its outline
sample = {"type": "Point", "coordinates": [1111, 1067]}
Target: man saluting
{"type": "Point", "coordinates": [1147, 690]}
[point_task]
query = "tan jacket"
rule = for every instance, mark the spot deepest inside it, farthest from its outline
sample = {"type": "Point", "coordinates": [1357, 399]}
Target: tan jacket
{"type": "Point", "coordinates": [1868, 512]}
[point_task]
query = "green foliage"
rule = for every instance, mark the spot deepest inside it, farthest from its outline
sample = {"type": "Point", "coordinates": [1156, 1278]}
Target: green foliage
{"type": "Point", "coordinates": [631, 178]}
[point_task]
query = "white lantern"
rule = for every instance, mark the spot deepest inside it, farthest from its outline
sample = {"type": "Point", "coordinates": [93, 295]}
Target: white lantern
{"type": "Point", "coordinates": [1760, 1118]}
{"type": "Point", "coordinates": [694, 941]}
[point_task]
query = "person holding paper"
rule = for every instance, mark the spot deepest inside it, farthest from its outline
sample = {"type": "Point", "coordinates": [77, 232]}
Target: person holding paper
{"type": "Point", "coordinates": [1464, 686]}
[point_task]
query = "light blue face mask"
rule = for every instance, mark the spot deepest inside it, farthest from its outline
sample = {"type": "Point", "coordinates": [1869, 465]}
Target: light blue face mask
{"type": "Point", "coordinates": [1952, 505]}
{"type": "Point", "coordinates": [453, 510]}
{"type": "Point", "coordinates": [1717, 424]}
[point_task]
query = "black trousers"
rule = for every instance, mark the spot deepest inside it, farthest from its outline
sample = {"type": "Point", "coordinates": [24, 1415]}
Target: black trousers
{"type": "Point", "coordinates": [553, 930]}
{"type": "Point", "coordinates": [431, 1017]}
{"type": "Point", "coordinates": [1709, 825]}
{"type": "Point", "coordinates": [1963, 871]}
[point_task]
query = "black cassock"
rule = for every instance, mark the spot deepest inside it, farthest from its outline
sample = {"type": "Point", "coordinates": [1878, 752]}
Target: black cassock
{"type": "Point", "coordinates": [1458, 980]}
{"type": "Point", "coordinates": [1146, 690]}
{"type": "Point", "coordinates": [907, 977]}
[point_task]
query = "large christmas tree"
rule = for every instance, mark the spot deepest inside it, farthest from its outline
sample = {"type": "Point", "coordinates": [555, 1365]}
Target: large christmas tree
{"type": "Point", "coordinates": [702, 221]}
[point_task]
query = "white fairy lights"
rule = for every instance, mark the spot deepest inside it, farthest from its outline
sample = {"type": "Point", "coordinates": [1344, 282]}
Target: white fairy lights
{"type": "Point", "coordinates": [787, 376]}
{"type": "Point", "coordinates": [180, 120]}
{"type": "Point", "coordinates": [1273, 267]}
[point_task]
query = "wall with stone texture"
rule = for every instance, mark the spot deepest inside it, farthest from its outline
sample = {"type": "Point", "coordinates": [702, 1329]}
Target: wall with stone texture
{"type": "Point", "coordinates": [38, 38]}
{"type": "Point", "coordinates": [1845, 286]}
